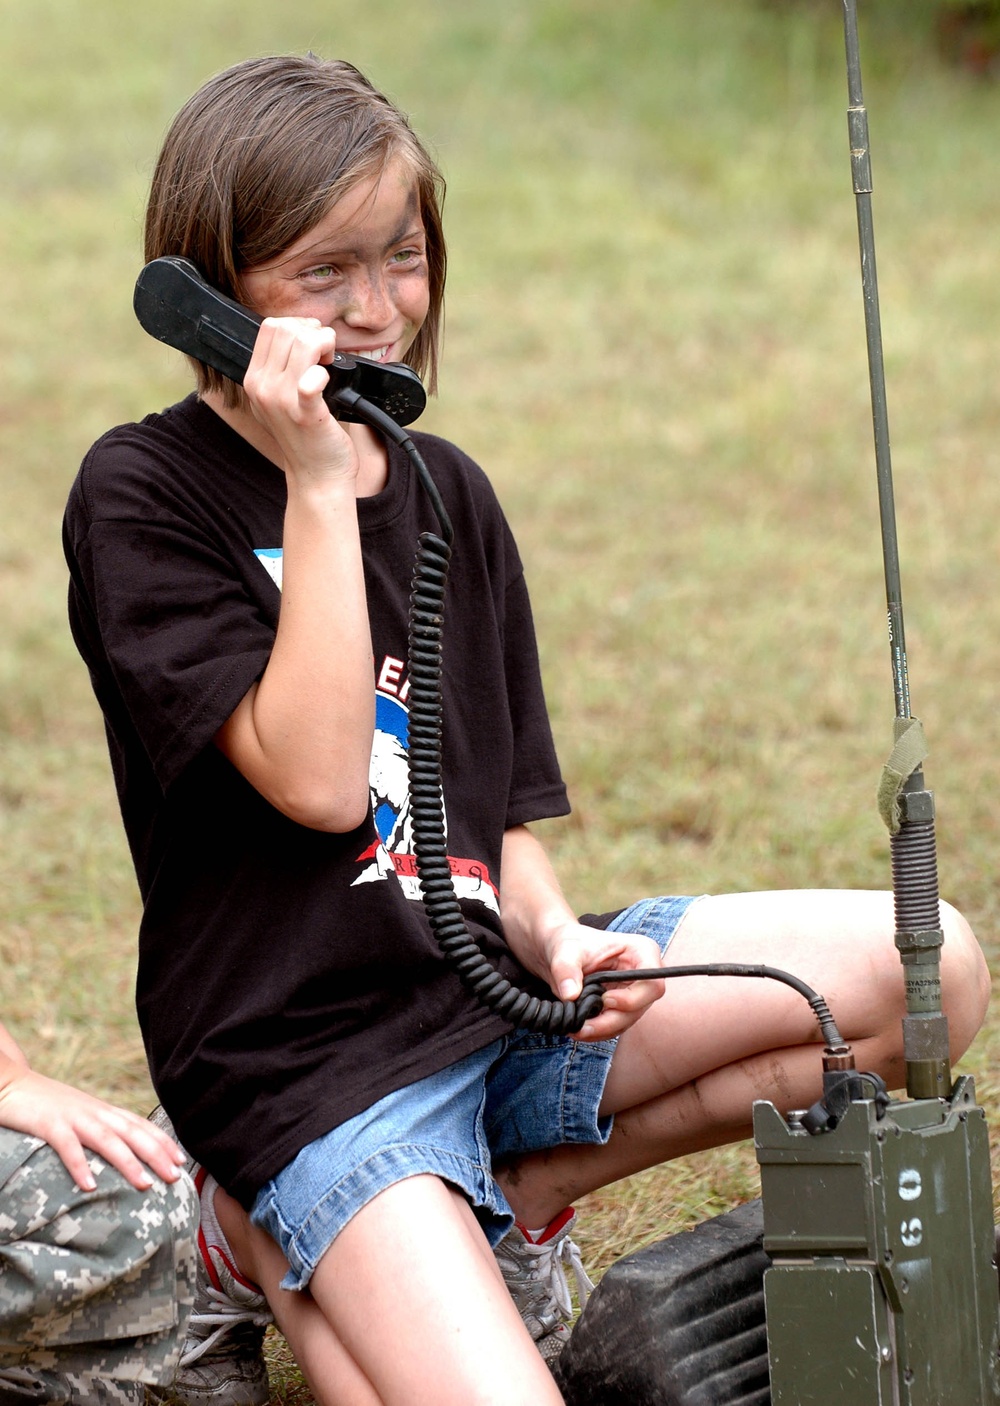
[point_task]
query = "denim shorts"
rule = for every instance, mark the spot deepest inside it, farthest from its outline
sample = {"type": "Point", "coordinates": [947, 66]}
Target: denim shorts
{"type": "Point", "coordinates": [519, 1094]}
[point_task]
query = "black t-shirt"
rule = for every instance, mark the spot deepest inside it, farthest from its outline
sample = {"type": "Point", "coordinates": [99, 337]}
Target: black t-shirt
{"type": "Point", "coordinates": [288, 978]}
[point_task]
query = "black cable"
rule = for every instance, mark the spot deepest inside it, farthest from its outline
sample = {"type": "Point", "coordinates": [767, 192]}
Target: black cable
{"type": "Point", "coordinates": [426, 633]}
{"type": "Point", "coordinates": [447, 922]}
{"type": "Point", "coordinates": [828, 1028]}
{"type": "Point", "coordinates": [348, 399]}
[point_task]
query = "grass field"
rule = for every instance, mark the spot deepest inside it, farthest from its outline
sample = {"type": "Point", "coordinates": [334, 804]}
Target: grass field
{"type": "Point", "coordinates": [655, 346]}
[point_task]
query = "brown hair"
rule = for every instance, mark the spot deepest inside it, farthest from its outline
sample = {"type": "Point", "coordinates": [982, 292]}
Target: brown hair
{"type": "Point", "coordinates": [258, 156]}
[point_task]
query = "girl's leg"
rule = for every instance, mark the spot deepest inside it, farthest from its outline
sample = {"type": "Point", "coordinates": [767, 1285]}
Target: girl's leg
{"type": "Point", "coordinates": [334, 1377]}
{"type": "Point", "coordinates": [412, 1290]}
{"type": "Point", "coordinates": [406, 1308]}
{"type": "Point", "coordinates": [686, 1075]}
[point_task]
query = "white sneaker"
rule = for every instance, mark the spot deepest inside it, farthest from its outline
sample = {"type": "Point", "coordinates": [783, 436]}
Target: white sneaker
{"type": "Point", "coordinates": [534, 1270]}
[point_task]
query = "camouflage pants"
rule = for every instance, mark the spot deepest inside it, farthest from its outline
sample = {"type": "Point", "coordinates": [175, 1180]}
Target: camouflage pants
{"type": "Point", "coordinates": [94, 1284]}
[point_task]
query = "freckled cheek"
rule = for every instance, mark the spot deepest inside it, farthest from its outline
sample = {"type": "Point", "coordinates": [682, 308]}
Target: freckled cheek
{"type": "Point", "coordinates": [269, 300]}
{"type": "Point", "coordinates": [412, 298]}
{"type": "Point", "coordinates": [326, 310]}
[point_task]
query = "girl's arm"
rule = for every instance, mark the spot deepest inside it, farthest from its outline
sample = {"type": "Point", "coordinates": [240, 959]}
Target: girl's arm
{"type": "Point", "coordinates": [302, 735]}
{"type": "Point", "coordinates": [70, 1121]}
{"type": "Point", "coordinates": [543, 933]}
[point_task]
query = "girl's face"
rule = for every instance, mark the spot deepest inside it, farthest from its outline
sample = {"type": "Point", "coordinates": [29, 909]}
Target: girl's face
{"type": "Point", "coordinates": [362, 270]}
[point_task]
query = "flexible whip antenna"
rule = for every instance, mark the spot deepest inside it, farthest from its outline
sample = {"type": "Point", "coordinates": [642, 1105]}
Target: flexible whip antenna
{"type": "Point", "coordinates": [906, 806]}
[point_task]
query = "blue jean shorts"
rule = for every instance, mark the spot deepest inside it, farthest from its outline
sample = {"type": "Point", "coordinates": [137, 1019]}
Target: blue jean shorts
{"type": "Point", "coordinates": [519, 1094]}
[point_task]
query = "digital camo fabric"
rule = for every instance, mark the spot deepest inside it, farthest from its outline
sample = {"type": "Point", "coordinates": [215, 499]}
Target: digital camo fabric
{"type": "Point", "coordinates": [92, 1284]}
{"type": "Point", "coordinates": [24, 1386]}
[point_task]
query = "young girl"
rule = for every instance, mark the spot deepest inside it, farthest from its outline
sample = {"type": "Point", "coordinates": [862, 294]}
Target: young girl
{"type": "Point", "coordinates": [240, 578]}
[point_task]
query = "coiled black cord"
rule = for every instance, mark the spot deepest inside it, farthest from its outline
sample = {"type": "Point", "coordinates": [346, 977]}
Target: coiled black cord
{"type": "Point", "coordinates": [493, 990]}
{"type": "Point", "coordinates": [426, 634]}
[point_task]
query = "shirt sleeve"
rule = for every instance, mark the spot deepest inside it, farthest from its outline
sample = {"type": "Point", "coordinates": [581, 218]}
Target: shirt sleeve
{"type": "Point", "coordinates": [172, 634]}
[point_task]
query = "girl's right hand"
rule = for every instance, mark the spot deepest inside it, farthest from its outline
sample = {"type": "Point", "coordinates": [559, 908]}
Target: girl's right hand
{"type": "Point", "coordinates": [284, 386]}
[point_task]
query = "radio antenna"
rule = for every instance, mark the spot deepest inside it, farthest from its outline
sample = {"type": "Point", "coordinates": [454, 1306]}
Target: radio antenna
{"type": "Point", "coordinates": [906, 806]}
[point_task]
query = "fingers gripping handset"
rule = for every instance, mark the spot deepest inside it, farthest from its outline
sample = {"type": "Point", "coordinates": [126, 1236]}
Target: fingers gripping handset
{"type": "Point", "coordinates": [175, 305]}
{"type": "Point", "coordinates": [284, 388]}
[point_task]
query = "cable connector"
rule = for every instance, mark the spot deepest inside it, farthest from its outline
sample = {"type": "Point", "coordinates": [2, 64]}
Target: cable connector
{"type": "Point", "coordinates": [841, 1088]}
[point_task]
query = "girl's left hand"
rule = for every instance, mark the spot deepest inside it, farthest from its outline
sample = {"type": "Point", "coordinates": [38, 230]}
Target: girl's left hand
{"type": "Point", "coordinates": [573, 950]}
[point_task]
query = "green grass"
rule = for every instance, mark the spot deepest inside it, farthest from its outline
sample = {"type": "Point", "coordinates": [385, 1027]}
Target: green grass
{"type": "Point", "coordinates": [655, 347]}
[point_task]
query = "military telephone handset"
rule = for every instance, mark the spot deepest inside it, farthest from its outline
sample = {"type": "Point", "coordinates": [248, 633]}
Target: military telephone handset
{"type": "Point", "coordinates": [175, 305]}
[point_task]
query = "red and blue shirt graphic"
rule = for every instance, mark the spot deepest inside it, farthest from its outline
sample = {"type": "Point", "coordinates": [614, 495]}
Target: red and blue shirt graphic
{"type": "Point", "coordinates": [388, 777]}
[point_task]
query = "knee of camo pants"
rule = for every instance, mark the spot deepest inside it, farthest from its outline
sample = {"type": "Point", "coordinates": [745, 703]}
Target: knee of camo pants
{"type": "Point", "coordinates": [95, 1282]}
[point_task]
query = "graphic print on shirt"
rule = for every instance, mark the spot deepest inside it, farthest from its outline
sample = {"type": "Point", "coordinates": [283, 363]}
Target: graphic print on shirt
{"type": "Point", "coordinates": [271, 560]}
{"type": "Point", "coordinates": [389, 782]}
